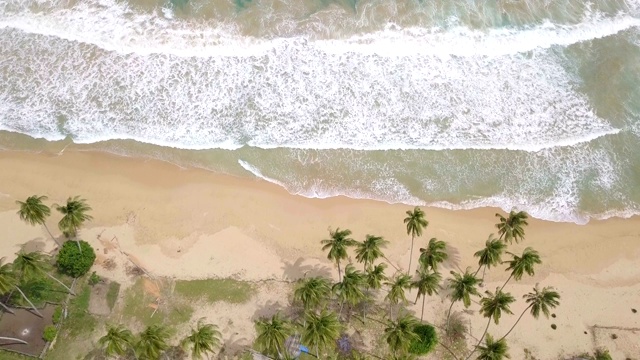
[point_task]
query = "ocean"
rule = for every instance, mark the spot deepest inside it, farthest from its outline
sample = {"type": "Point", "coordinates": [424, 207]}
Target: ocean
{"type": "Point", "coordinates": [527, 104]}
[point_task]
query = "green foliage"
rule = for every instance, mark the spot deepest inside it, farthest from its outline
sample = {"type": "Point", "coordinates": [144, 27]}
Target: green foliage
{"type": "Point", "coordinates": [74, 262]}
{"type": "Point", "coordinates": [49, 333]}
{"type": "Point", "coordinates": [57, 315]}
{"type": "Point", "coordinates": [79, 321]}
{"type": "Point", "coordinates": [212, 290]}
{"type": "Point", "coordinates": [603, 354]}
{"type": "Point", "coordinates": [136, 307]}
{"type": "Point", "coordinates": [112, 293]}
{"type": "Point", "coordinates": [94, 279]}
{"type": "Point", "coordinates": [426, 342]}
{"type": "Point", "coordinates": [39, 290]}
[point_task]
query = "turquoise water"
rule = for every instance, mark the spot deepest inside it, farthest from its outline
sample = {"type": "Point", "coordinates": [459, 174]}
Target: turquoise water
{"type": "Point", "coordinates": [459, 104]}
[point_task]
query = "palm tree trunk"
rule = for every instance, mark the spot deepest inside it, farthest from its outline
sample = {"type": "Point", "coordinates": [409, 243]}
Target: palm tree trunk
{"type": "Point", "coordinates": [481, 338]}
{"type": "Point", "coordinates": [29, 301]}
{"type": "Point", "coordinates": [517, 321]}
{"type": "Point", "coordinates": [339, 271]}
{"type": "Point", "coordinates": [477, 271]}
{"type": "Point", "coordinates": [505, 283]}
{"type": "Point", "coordinates": [449, 350]}
{"type": "Point", "coordinates": [484, 270]}
{"type": "Point", "coordinates": [410, 254]}
{"type": "Point", "coordinates": [449, 313]}
{"type": "Point", "coordinates": [14, 339]}
{"type": "Point", "coordinates": [422, 314]}
{"type": "Point", "coordinates": [7, 308]}
{"type": "Point", "coordinates": [417, 297]}
{"type": "Point", "coordinates": [59, 282]}
{"type": "Point", "coordinates": [50, 234]}
{"type": "Point", "coordinates": [390, 263]}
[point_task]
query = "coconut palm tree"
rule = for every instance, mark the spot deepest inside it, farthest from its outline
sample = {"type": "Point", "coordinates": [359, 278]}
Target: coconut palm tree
{"type": "Point", "coordinates": [349, 290]}
{"type": "Point", "coordinates": [29, 265]}
{"type": "Point", "coordinates": [493, 350]}
{"type": "Point", "coordinates": [205, 338]}
{"type": "Point", "coordinates": [433, 254]}
{"type": "Point", "coordinates": [492, 307]}
{"type": "Point", "coordinates": [152, 342]}
{"type": "Point", "coordinates": [415, 223]}
{"type": "Point", "coordinates": [375, 276]}
{"type": "Point", "coordinates": [321, 330]}
{"type": "Point", "coordinates": [491, 255]}
{"type": "Point", "coordinates": [518, 265]}
{"type": "Point", "coordinates": [117, 341]}
{"type": "Point", "coordinates": [427, 283]}
{"type": "Point", "coordinates": [8, 281]}
{"type": "Point", "coordinates": [539, 301]}
{"type": "Point", "coordinates": [369, 251]}
{"type": "Point", "coordinates": [312, 292]}
{"type": "Point", "coordinates": [272, 334]}
{"type": "Point", "coordinates": [75, 214]}
{"type": "Point", "coordinates": [337, 246]}
{"type": "Point", "coordinates": [462, 287]}
{"type": "Point", "coordinates": [34, 212]}
{"type": "Point", "coordinates": [398, 286]}
{"type": "Point", "coordinates": [400, 333]}
{"type": "Point", "coordinates": [512, 228]}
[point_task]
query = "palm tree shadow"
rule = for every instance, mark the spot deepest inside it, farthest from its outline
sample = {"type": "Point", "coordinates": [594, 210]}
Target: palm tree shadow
{"type": "Point", "coordinates": [453, 258]}
{"type": "Point", "coordinates": [269, 309]}
{"type": "Point", "coordinates": [233, 347]}
{"type": "Point", "coordinates": [34, 245]}
{"type": "Point", "coordinates": [297, 270]}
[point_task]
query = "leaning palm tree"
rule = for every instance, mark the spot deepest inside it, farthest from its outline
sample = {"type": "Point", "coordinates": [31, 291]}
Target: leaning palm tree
{"type": "Point", "coordinates": [415, 223]}
{"type": "Point", "coordinates": [312, 292]}
{"type": "Point", "coordinates": [491, 255]}
{"type": "Point", "coordinates": [321, 330]}
{"type": "Point", "coordinates": [400, 333]}
{"type": "Point", "coordinates": [398, 286]}
{"type": "Point", "coordinates": [75, 214]}
{"type": "Point", "coordinates": [462, 287]}
{"type": "Point", "coordinates": [369, 251]}
{"type": "Point", "coordinates": [205, 338]}
{"type": "Point", "coordinates": [539, 301]}
{"type": "Point", "coordinates": [433, 254]}
{"type": "Point", "coordinates": [512, 228]}
{"type": "Point", "coordinates": [337, 246]}
{"type": "Point", "coordinates": [492, 307]}
{"type": "Point", "coordinates": [34, 212]}
{"type": "Point", "coordinates": [152, 342]}
{"type": "Point", "coordinates": [29, 265]}
{"type": "Point", "coordinates": [521, 264]}
{"type": "Point", "coordinates": [272, 334]}
{"type": "Point", "coordinates": [493, 350]}
{"type": "Point", "coordinates": [427, 283]}
{"type": "Point", "coordinates": [349, 290]}
{"type": "Point", "coordinates": [117, 341]}
{"type": "Point", "coordinates": [8, 281]}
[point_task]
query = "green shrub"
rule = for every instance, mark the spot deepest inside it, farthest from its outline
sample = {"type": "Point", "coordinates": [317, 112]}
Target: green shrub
{"type": "Point", "coordinates": [50, 333]}
{"type": "Point", "coordinates": [426, 342]}
{"type": "Point", "coordinates": [94, 278]}
{"type": "Point", "coordinates": [603, 354]}
{"type": "Point", "coordinates": [57, 315]}
{"type": "Point", "coordinates": [73, 262]}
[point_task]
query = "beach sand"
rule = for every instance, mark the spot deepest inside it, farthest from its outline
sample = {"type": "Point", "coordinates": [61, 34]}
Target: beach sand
{"type": "Point", "coordinates": [191, 223]}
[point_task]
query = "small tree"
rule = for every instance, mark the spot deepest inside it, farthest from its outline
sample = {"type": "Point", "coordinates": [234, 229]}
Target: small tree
{"type": "Point", "coordinates": [75, 262]}
{"type": "Point", "coordinates": [426, 342]}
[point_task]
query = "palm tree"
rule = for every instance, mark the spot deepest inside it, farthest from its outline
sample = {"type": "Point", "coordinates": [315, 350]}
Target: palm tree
{"type": "Point", "coordinates": [512, 227]}
{"type": "Point", "coordinates": [462, 287]}
{"type": "Point", "coordinates": [8, 281]}
{"type": "Point", "coordinates": [272, 334]}
{"type": "Point", "coordinates": [427, 283]}
{"type": "Point", "coordinates": [312, 292]}
{"type": "Point", "coordinates": [400, 333]}
{"type": "Point", "coordinates": [492, 306]}
{"type": "Point", "coordinates": [396, 293]}
{"type": "Point", "coordinates": [433, 254]}
{"type": "Point", "coordinates": [369, 251]}
{"type": "Point", "coordinates": [152, 342]}
{"type": "Point", "coordinates": [349, 290]}
{"type": "Point", "coordinates": [28, 265]}
{"type": "Point", "coordinates": [491, 255]}
{"type": "Point", "coordinates": [538, 300]}
{"type": "Point", "coordinates": [321, 330]}
{"type": "Point", "coordinates": [415, 222]}
{"type": "Point", "coordinates": [337, 246]}
{"type": "Point", "coordinates": [75, 214]}
{"type": "Point", "coordinates": [117, 341]}
{"type": "Point", "coordinates": [205, 338]}
{"type": "Point", "coordinates": [375, 276]}
{"type": "Point", "coordinates": [521, 264]}
{"type": "Point", "coordinates": [493, 350]}
{"type": "Point", "coordinates": [34, 212]}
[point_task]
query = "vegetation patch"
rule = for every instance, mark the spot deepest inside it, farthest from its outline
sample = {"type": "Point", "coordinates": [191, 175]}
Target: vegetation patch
{"type": "Point", "coordinates": [140, 305]}
{"type": "Point", "coordinates": [112, 294]}
{"type": "Point", "coordinates": [57, 315]}
{"type": "Point", "coordinates": [79, 321]}
{"type": "Point", "coordinates": [212, 290]}
{"type": "Point", "coordinates": [426, 342]}
{"type": "Point", "coordinates": [40, 289]}
{"type": "Point", "coordinates": [49, 333]}
{"type": "Point", "coordinates": [73, 261]}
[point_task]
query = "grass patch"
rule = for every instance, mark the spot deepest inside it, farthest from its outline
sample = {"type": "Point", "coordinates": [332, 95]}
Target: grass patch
{"type": "Point", "coordinates": [172, 311]}
{"type": "Point", "coordinates": [212, 290]}
{"type": "Point", "coordinates": [8, 355]}
{"type": "Point", "coordinates": [112, 294]}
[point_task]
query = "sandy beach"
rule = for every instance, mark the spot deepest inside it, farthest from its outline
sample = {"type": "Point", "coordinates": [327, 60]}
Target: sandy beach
{"type": "Point", "coordinates": [191, 223]}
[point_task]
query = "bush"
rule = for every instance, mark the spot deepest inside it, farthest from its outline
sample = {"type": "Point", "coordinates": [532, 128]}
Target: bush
{"type": "Point", "coordinates": [57, 315]}
{"type": "Point", "coordinates": [50, 333]}
{"type": "Point", "coordinates": [603, 354]}
{"type": "Point", "coordinates": [427, 340]}
{"type": "Point", "coordinates": [94, 278]}
{"type": "Point", "coordinates": [73, 262]}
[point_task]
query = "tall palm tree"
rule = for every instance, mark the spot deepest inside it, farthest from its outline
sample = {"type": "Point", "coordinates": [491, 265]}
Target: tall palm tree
{"type": "Point", "coordinates": [415, 223]}
{"type": "Point", "coordinates": [433, 254]}
{"type": "Point", "coordinates": [539, 301]}
{"type": "Point", "coordinates": [271, 334]}
{"type": "Point", "coordinates": [117, 341]}
{"type": "Point", "coordinates": [491, 255]}
{"type": "Point", "coordinates": [28, 265]}
{"type": "Point", "coordinates": [512, 228]}
{"type": "Point", "coordinates": [34, 212]}
{"type": "Point", "coordinates": [8, 281]}
{"type": "Point", "coordinates": [337, 246]}
{"type": "Point", "coordinates": [312, 292]}
{"type": "Point", "coordinates": [492, 307]}
{"type": "Point", "coordinates": [205, 338]}
{"type": "Point", "coordinates": [493, 350]}
{"type": "Point", "coordinates": [375, 276]}
{"type": "Point", "coordinates": [75, 214]}
{"type": "Point", "coordinates": [427, 283]}
{"type": "Point", "coordinates": [399, 285]}
{"type": "Point", "coordinates": [369, 251]}
{"type": "Point", "coordinates": [462, 287]}
{"type": "Point", "coordinates": [400, 333]}
{"type": "Point", "coordinates": [349, 290]}
{"type": "Point", "coordinates": [321, 330]}
{"type": "Point", "coordinates": [152, 342]}
{"type": "Point", "coordinates": [521, 264]}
